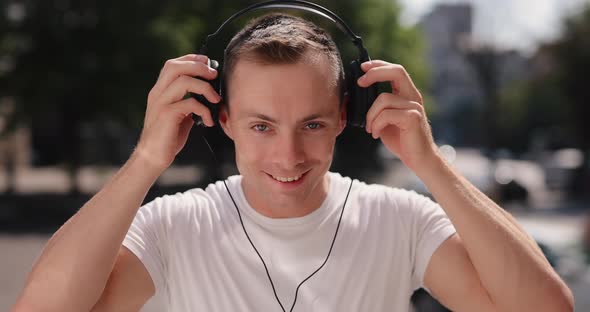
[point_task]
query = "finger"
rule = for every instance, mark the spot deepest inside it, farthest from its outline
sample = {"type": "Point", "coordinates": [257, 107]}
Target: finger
{"type": "Point", "coordinates": [182, 109]}
{"type": "Point", "coordinates": [183, 84]}
{"type": "Point", "coordinates": [380, 71]}
{"type": "Point", "coordinates": [197, 58]}
{"type": "Point", "coordinates": [373, 63]}
{"type": "Point", "coordinates": [186, 126]}
{"type": "Point", "coordinates": [175, 68]}
{"type": "Point", "coordinates": [388, 100]}
{"type": "Point", "coordinates": [404, 119]}
{"type": "Point", "coordinates": [194, 57]}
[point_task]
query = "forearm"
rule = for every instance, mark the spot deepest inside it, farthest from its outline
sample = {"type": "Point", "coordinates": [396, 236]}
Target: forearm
{"type": "Point", "coordinates": [76, 262]}
{"type": "Point", "coordinates": [509, 263]}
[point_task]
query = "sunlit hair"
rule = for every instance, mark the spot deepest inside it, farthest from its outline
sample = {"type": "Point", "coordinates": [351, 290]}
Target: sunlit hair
{"type": "Point", "coordinates": [279, 38]}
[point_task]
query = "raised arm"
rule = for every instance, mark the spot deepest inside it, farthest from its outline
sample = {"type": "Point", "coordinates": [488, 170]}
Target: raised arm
{"type": "Point", "coordinates": [491, 263]}
{"type": "Point", "coordinates": [85, 253]}
{"type": "Point", "coordinates": [71, 273]}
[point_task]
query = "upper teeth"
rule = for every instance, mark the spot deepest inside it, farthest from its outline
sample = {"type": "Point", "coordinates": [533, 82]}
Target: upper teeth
{"type": "Point", "coordinates": [289, 179]}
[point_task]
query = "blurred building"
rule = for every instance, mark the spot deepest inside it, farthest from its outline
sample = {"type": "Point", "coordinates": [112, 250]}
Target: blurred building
{"type": "Point", "coordinates": [454, 86]}
{"type": "Point", "coordinates": [466, 75]}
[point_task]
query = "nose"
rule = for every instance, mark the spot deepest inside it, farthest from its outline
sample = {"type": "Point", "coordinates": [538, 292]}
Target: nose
{"type": "Point", "coordinates": [289, 151]}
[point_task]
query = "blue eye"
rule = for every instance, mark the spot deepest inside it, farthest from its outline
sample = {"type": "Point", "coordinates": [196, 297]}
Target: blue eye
{"type": "Point", "coordinates": [260, 127]}
{"type": "Point", "coordinates": [313, 126]}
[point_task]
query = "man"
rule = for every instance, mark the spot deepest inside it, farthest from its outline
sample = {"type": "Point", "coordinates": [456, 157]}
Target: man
{"type": "Point", "coordinates": [283, 111]}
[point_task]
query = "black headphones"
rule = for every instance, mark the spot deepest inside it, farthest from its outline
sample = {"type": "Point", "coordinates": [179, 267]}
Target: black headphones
{"type": "Point", "coordinates": [360, 99]}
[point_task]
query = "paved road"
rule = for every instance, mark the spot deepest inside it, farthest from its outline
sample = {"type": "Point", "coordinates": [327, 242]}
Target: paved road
{"type": "Point", "coordinates": [17, 255]}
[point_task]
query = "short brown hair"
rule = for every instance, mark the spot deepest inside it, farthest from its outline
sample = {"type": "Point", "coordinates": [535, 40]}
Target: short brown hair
{"type": "Point", "coordinates": [279, 38]}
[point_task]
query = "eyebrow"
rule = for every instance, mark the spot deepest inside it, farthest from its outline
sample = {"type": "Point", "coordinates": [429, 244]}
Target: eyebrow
{"type": "Point", "coordinates": [270, 119]}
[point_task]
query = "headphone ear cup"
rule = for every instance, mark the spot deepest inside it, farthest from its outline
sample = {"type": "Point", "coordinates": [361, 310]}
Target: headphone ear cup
{"type": "Point", "coordinates": [360, 99]}
{"type": "Point", "coordinates": [213, 108]}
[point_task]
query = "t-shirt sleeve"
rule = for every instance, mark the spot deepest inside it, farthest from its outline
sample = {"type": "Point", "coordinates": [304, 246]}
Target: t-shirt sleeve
{"type": "Point", "coordinates": [146, 239]}
{"type": "Point", "coordinates": [430, 227]}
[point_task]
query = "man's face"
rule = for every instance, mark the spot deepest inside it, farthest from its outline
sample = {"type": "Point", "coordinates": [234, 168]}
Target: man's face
{"type": "Point", "coordinates": [284, 120]}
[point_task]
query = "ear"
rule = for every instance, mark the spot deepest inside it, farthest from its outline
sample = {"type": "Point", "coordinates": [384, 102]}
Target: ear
{"type": "Point", "coordinates": [224, 122]}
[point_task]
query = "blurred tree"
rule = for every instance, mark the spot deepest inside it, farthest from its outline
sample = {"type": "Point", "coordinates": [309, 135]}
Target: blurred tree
{"type": "Point", "coordinates": [572, 57]}
{"type": "Point", "coordinates": [485, 63]}
{"type": "Point", "coordinates": [552, 106]}
{"type": "Point", "coordinates": [533, 112]}
{"type": "Point", "coordinates": [70, 64]}
{"type": "Point", "coordinates": [76, 62]}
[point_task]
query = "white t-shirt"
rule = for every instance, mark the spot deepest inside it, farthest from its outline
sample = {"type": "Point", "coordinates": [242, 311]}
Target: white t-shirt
{"type": "Point", "coordinates": [199, 258]}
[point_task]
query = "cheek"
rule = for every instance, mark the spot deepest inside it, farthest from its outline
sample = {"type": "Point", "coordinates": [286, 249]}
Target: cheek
{"type": "Point", "coordinates": [319, 146]}
{"type": "Point", "coordinates": [250, 148]}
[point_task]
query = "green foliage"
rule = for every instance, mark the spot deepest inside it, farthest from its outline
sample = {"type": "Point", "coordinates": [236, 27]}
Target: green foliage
{"type": "Point", "coordinates": [572, 58]}
{"type": "Point", "coordinates": [554, 102]}
{"type": "Point", "coordinates": [533, 108]}
{"type": "Point", "coordinates": [70, 62]}
{"type": "Point", "coordinates": [91, 60]}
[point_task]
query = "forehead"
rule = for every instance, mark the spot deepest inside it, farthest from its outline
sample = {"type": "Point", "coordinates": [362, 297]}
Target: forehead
{"type": "Point", "coordinates": [293, 89]}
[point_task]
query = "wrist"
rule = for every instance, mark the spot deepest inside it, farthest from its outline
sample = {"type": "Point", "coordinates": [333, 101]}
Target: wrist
{"type": "Point", "coordinates": [431, 166]}
{"type": "Point", "coordinates": [142, 161]}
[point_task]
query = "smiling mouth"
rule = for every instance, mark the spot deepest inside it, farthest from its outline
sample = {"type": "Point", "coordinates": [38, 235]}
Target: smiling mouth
{"type": "Point", "coordinates": [288, 179]}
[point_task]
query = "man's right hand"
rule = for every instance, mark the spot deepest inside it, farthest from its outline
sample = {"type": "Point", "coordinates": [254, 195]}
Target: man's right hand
{"type": "Point", "coordinates": [168, 115]}
{"type": "Point", "coordinates": [83, 265]}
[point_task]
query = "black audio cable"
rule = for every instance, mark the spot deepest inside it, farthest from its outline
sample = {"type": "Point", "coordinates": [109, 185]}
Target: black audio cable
{"type": "Point", "coordinates": [258, 253]}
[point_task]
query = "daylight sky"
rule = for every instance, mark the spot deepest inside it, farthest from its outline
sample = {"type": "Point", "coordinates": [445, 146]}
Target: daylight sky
{"type": "Point", "coordinates": [520, 24]}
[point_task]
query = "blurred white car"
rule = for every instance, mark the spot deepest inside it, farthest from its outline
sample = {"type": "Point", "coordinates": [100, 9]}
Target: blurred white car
{"type": "Point", "coordinates": [471, 163]}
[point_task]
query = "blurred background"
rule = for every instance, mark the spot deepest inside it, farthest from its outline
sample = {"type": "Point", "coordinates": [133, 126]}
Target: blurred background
{"type": "Point", "coordinates": [505, 84]}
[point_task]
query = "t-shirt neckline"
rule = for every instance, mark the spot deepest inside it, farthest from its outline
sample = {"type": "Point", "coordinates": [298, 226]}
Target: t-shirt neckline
{"type": "Point", "coordinates": [315, 216]}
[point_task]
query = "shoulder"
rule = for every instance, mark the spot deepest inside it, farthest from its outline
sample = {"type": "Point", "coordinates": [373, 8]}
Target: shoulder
{"type": "Point", "coordinates": [186, 206]}
{"type": "Point", "coordinates": [374, 194]}
{"type": "Point", "coordinates": [391, 204]}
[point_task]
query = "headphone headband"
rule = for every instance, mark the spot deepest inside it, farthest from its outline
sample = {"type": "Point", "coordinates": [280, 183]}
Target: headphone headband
{"type": "Point", "coordinates": [360, 99]}
{"type": "Point", "coordinates": [300, 5]}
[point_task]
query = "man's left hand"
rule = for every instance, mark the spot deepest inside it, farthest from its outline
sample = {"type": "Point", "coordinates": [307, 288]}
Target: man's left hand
{"type": "Point", "coordinates": [398, 118]}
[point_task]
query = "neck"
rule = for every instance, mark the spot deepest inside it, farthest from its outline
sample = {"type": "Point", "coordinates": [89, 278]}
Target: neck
{"type": "Point", "coordinates": [267, 206]}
